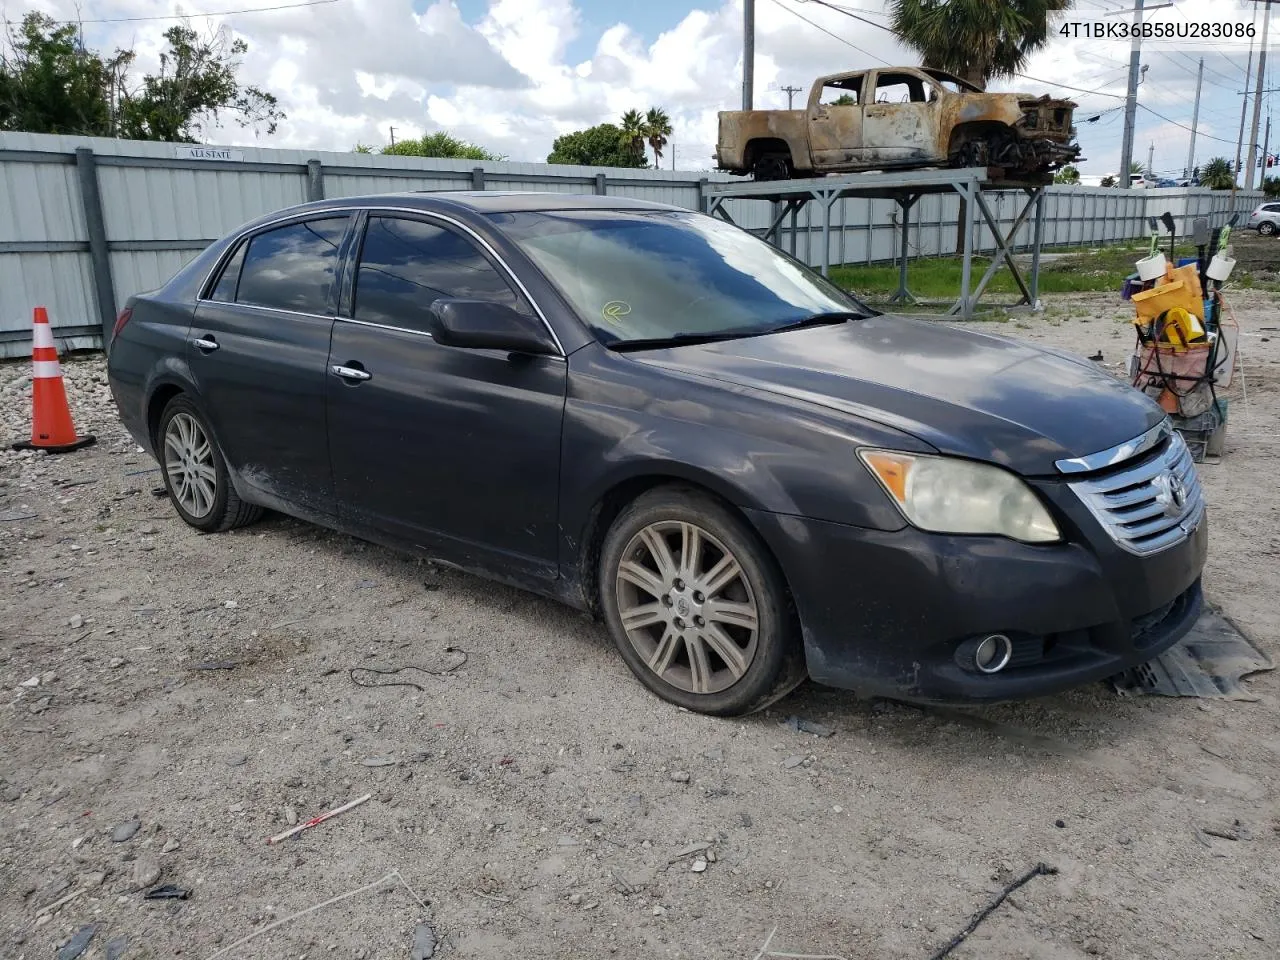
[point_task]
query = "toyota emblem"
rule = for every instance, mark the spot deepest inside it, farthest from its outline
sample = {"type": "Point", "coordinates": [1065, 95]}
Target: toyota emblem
{"type": "Point", "coordinates": [1171, 493]}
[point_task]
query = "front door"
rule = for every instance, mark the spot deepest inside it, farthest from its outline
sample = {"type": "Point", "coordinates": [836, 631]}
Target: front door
{"type": "Point", "coordinates": [454, 450]}
{"type": "Point", "coordinates": [835, 123]}
{"type": "Point", "coordinates": [257, 351]}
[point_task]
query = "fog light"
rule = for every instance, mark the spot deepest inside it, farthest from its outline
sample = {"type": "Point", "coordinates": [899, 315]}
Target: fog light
{"type": "Point", "coordinates": [993, 653]}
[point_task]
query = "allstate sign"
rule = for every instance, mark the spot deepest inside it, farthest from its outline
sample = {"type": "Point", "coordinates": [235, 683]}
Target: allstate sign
{"type": "Point", "coordinates": [209, 153]}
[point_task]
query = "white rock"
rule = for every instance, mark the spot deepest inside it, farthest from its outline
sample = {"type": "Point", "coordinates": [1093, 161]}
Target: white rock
{"type": "Point", "coordinates": [76, 622]}
{"type": "Point", "coordinates": [698, 865]}
{"type": "Point", "coordinates": [31, 684]}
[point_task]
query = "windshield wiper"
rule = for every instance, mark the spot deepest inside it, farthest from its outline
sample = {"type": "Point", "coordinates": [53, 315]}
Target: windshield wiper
{"type": "Point", "coordinates": [816, 320]}
{"type": "Point", "coordinates": [740, 333]}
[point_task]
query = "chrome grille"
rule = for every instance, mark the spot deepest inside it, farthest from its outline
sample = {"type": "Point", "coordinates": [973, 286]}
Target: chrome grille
{"type": "Point", "coordinates": [1150, 505]}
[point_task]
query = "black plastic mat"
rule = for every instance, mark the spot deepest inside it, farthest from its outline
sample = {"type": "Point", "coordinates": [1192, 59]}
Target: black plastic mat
{"type": "Point", "coordinates": [1210, 661]}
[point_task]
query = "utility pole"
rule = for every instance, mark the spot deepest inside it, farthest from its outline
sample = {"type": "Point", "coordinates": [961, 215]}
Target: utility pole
{"type": "Point", "coordinates": [1131, 97]}
{"type": "Point", "coordinates": [748, 50]}
{"type": "Point", "coordinates": [393, 136]}
{"type": "Point", "coordinates": [673, 156]}
{"type": "Point", "coordinates": [1151, 160]}
{"type": "Point", "coordinates": [1244, 106]}
{"type": "Point", "coordinates": [791, 92]}
{"type": "Point", "coordinates": [1195, 118]}
{"type": "Point", "coordinates": [1266, 145]}
{"type": "Point", "coordinates": [1257, 95]}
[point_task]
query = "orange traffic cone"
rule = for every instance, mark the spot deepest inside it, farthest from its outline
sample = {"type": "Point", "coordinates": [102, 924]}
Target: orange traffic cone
{"type": "Point", "coordinates": [51, 426]}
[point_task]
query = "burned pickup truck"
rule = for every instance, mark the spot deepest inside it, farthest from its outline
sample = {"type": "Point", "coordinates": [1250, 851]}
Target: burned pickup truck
{"type": "Point", "coordinates": [898, 117]}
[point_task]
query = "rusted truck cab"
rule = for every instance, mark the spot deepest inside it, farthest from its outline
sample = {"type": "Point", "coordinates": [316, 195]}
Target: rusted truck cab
{"type": "Point", "coordinates": [896, 117]}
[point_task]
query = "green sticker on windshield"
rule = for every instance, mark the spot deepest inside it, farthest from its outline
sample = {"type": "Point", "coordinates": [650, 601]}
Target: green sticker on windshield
{"type": "Point", "coordinates": [614, 310]}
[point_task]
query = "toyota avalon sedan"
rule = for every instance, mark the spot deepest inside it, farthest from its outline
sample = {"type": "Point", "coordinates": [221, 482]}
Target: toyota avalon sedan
{"type": "Point", "coordinates": [650, 414]}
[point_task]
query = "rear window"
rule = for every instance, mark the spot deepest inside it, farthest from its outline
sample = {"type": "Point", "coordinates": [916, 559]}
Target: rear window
{"type": "Point", "coordinates": [293, 267]}
{"type": "Point", "coordinates": [225, 288]}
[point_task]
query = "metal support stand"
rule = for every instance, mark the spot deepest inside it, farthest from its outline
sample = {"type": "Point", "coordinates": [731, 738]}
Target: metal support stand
{"type": "Point", "coordinates": [902, 294]}
{"type": "Point", "coordinates": [787, 197]}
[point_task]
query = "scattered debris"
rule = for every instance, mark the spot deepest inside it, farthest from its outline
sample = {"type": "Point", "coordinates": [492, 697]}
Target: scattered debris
{"type": "Point", "coordinates": [290, 816]}
{"type": "Point", "coordinates": [689, 851]}
{"type": "Point", "coordinates": [393, 671]}
{"type": "Point", "coordinates": [800, 725]}
{"type": "Point", "coordinates": [238, 760]}
{"type": "Point", "coordinates": [145, 873]}
{"type": "Point", "coordinates": [125, 831]}
{"type": "Point", "coordinates": [314, 821]}
{"type": "Point", "coordinates": [1097, 356]}
{"type": "Point", "coordinates": [698, 866]}
{"type": "Point", "coordinates": [1238, 831]}
{"type": "Point", "coordinates": [215, 665]}
{"type": "Point", "coordinates": [1060, 824]}
{"type": "Point", "coordinates": [31, 683]}
{"type": "Point", "coordinates": [9, 516]}
{"type": "Point", "coordinates": [378, 762]}
{"type": "Point", "coordinates": [1039, 870]}
{"type": "Point", "coordinates": [793, 761]}
{"type": "Point", "coordinates": [51, 907]}
{"type": "Point", "coordinates": [680, 776]}
{"type": "Point", "coordinates": [76, 622]}
{"type": "Point", "coordinates": [491, 896]}
{"type": "Point", "coordinates": [77, 944]}
{"type": "Point", "coordinates": [628, 886]}
{"type": "Point", "coordinates": [170, 846]}
{"type": "Point", "coordinates": [393, 875]}
{"type": "Point", "coordinates": [168, 892]}
{"type": "Point", "coordinates": [424, 943]}
{"type": "Point", "coordinates": [766, 952]}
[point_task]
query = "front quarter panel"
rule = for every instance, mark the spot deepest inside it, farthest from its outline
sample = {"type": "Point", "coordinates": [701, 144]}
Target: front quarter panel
{"type": "Point", "coordinates": [625, 419]}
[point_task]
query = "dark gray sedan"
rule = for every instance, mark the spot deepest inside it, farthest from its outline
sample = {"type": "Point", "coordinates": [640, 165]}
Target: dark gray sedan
{"type": "Point", "coordinates": [649, 413]}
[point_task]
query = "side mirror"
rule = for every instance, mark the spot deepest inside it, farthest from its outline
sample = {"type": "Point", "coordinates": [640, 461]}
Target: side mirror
{"type": "Point", "coordinates": [482, 324]}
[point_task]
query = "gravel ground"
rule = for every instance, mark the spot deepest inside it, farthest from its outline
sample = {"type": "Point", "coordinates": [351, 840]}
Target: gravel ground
{"type": "Point", "coordinates": [536, 801]}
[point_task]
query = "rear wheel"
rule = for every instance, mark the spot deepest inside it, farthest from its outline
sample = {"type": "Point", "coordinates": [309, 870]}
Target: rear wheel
{"type": "Point", "coordinates": [771, 166]}
{"type": "Point", "coordinates": [697, 606]}
{"type": "Point", "coordinates": [1266, 228]}
{"type": "Point", "coordinates": [195, 472]}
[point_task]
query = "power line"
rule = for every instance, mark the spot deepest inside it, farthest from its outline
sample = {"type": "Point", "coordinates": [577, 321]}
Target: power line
{"type": "Point", "coordinates": [187, 16]}
{"type": "Point", "coordinates": [1201, 133]}
{"type": "Point", "coordinates": [797, 13]}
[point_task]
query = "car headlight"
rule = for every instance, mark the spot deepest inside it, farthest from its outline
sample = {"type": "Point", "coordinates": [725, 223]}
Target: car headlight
{"type": "Point", "coordinates": [949, 495]}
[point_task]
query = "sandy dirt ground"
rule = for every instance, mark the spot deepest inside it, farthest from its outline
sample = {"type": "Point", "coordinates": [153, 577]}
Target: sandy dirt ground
{"type": "Point", "coordinates": [535, 799]}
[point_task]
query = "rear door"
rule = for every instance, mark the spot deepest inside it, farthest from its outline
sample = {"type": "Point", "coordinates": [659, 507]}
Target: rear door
{"type": "Point", "coordinates": [257, 351]}
{"type": "Point", "coordinates": [454, 450]}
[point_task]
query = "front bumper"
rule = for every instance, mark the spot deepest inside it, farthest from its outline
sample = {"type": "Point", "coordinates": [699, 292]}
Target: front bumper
{"type": "Point", "coordinates": [896, 614]}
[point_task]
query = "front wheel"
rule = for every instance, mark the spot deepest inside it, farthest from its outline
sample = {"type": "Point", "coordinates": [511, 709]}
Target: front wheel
{"type": "Point", "coordinates": [195, 472]}
{"type": "Point", "coordinates": [696, 605]}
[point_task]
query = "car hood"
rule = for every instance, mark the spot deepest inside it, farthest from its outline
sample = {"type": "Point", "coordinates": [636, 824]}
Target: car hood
{"type": "Point", "coordinates": [967, 393]}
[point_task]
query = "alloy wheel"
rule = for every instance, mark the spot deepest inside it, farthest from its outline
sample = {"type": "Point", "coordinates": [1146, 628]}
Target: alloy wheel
{"type": "Point", "coordinates": [189, 464]}
{"type": "Point", "coordinates": [687, 607]}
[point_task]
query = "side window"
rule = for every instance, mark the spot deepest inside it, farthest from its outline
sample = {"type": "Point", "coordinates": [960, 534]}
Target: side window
{"type": "Point", "coordinates": [841, 93]}
{"type": "Point", "coordinates": [406, 265]}
{"type": "Point", "coordinates": [225, 288]}
{"type": "Point", "coordinates": [293, 267]}
{"type": "Point", "coordinates": [899, 88]}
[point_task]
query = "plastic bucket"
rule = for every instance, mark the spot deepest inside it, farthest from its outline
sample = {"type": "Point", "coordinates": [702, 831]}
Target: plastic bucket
{"type": "Point", "coordinates": [1151, 268]}
{"type": "Point", "coordinates": [1220, 267]}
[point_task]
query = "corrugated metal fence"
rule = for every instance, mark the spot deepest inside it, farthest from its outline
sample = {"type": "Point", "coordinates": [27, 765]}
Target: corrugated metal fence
{"type": "Point", "coordinates": [86, 222]}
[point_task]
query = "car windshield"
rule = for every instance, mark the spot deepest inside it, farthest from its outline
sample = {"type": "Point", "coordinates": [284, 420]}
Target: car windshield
{"type": "Point", "coordinates": [637, 277]}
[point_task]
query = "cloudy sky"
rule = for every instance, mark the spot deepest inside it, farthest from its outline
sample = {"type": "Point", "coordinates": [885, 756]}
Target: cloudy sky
{"type": "Point", "coordinates": [514, 74]}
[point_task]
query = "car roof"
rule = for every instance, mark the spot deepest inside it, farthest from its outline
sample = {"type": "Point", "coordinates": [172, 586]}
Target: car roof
{"type": "Point", "coordinates": [484, 201]}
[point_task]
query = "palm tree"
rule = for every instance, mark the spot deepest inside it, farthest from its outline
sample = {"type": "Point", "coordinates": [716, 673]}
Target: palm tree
{"type": "Point", "coordinates": [633, 131]}
{"type": "Point", "coordinates": [976, 40]}
{"type": "Point", "coordinates": [657, 127]}
{"type": "Point", "coordinates": [1217, 175]}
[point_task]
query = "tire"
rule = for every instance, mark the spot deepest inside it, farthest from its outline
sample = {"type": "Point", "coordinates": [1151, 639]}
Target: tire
{"type": "Point", "coordinates": [1266, 228]}
{"type": "Point", "coordinates": [195, 472]}
{"type": "Point", "coordinates": [722, 667]}
{"type": "Point", "coordinates": [771, 166]}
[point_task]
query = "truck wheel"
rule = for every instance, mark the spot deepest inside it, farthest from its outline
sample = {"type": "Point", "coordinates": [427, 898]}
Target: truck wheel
{"type": "Point", "coordinates": [772, 167]}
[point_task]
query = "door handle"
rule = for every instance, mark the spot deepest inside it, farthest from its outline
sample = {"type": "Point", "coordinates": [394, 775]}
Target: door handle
{"type": "Point", "coordinates": [350, 374]}
{"type": "Point", "coordinates": [205, 343]}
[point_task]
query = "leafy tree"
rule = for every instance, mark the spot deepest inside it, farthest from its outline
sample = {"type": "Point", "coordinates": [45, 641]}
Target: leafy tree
{"type": "Point", "coordinates": [598, 146]}
{"type": "Point", "coordinates": [196, 83]}
{"type": "Point", "coordinates": [1067, 174]}
{"type": "Point", "coordinates": [844, 100]}
{"type": "Point", "coordinates": [439, 144]}
{"type": "Point", "coordinates": [362, 148]}
{"type": "Point", "coordinates": [633, 132]}
{"type": "Point", "coordinates": [977, 40]}
{"type": "Point", "coordinates": [1107, 181]}
{"type": "Point", "coordinates": [1271, 187]}
{"type": "Point", "coordinates": [657, 127]}
{"type": "Point", "coordinates": [49, 83]}
{"type": "Point", "coordinates": [1217, 175]}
